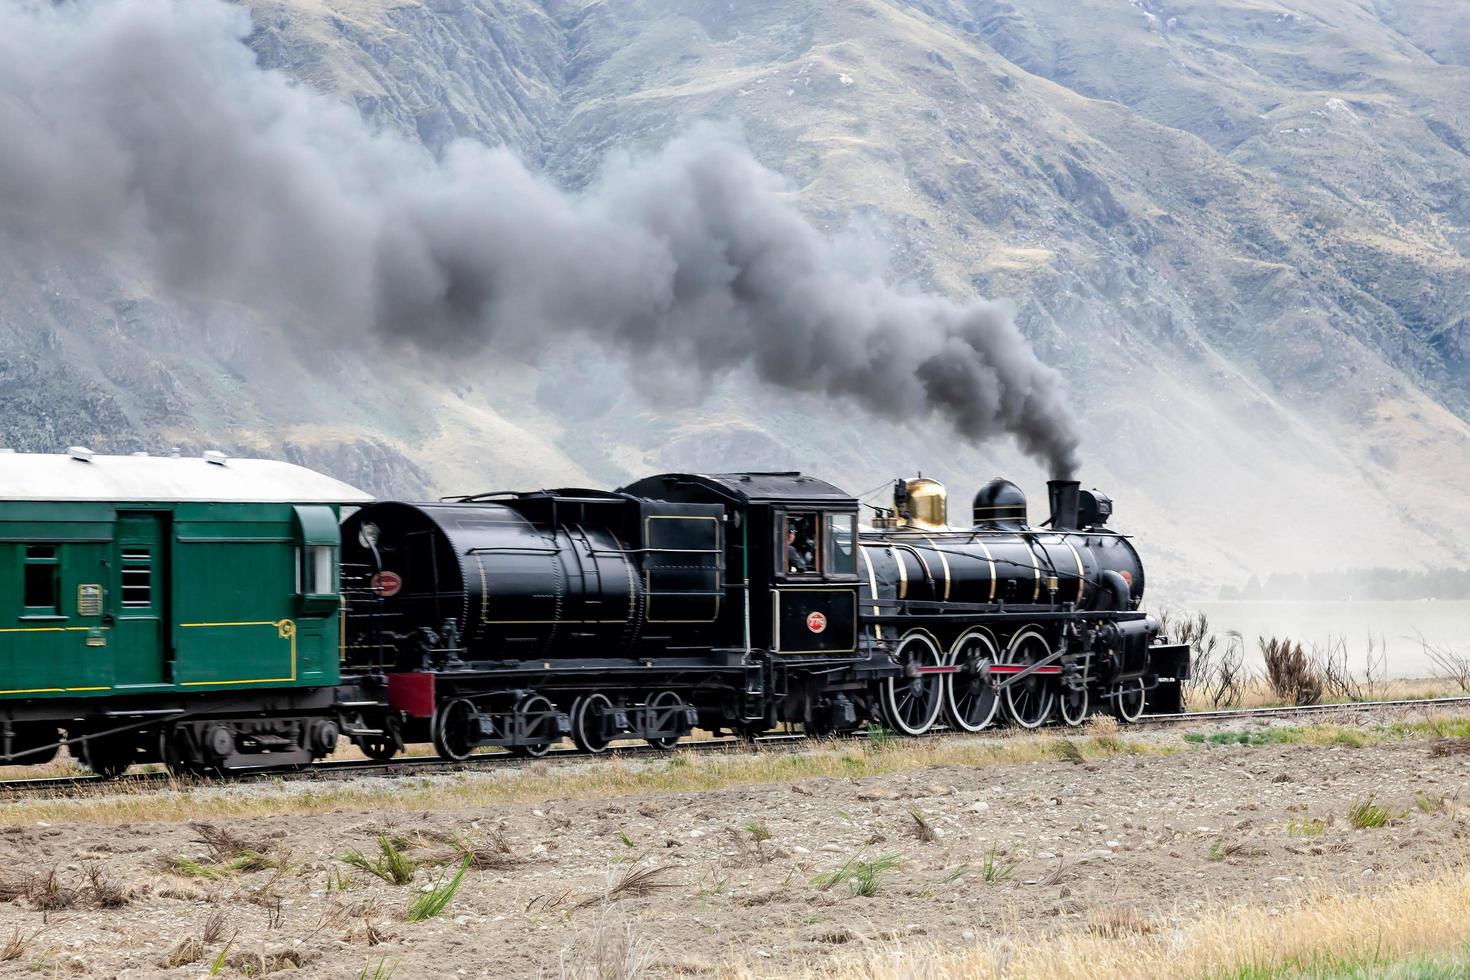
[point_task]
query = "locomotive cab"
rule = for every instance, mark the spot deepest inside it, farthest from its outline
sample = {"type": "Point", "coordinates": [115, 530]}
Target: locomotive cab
{"type": "Point", "coordinates": [792, 556]}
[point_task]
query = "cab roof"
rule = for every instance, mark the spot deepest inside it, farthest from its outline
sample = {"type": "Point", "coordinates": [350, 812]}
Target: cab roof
{"type": "Point", "coordinates": [79, 475]}
{"type": "Point", "coordinates": [747, 487]}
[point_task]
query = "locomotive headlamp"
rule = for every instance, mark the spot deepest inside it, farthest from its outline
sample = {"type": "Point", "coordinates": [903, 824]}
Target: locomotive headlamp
{"type": "Point", "coordinates": [367, 535]}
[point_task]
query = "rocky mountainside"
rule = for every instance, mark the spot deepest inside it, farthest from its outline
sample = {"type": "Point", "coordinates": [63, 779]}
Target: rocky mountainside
{"type": "Point", "coordinates": [1238, 227]}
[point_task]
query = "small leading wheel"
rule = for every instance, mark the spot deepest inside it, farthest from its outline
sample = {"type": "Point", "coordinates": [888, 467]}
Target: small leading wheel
{"type": "Point", "coordinates": [665, 710]}
{"type": "Point", "coordinates": [537, 720]}
{"type": "Point", "coordinates": [1128, 699]}
{"type": "Point", "coordinates": [1073, 704]}
{"type": "Point", "coordinates": [970, 698]}
{"type": "Point", "coordinates": [456, 729]}
{"type": "Point", "coordinates": [589, 727]}
{"type": "Point", "coordinates": [1029, 701]}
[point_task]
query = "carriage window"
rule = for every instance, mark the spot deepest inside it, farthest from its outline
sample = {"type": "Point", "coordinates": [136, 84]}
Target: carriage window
{"type": "Point", "coordinates": [320, 573]}
{"type": "Point", "coordinates": [42, 580]}
{"type": "Point", "coordinates": [137, 578]}
{"type": "Point", "coordinates": [838, 545]}
{"type": "Point", "coordinates": [800, 544]}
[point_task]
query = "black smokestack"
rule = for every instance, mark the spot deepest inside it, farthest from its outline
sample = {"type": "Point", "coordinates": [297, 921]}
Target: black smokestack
{"type": "Point", "coordinates": [145, 128]}
{"type": "Point", "coordinates": [1064, 496]}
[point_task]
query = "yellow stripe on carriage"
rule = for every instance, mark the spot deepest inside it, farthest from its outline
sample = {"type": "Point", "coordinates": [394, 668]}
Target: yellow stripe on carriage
{"type": "Point", "coordinates": [287, 630]}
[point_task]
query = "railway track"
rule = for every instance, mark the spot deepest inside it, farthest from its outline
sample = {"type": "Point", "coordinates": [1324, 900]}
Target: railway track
{"type": "Point", "coordinates": [339, 770]}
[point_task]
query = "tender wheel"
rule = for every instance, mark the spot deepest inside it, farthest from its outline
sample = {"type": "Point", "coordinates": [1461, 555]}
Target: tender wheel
{"type": "Point", "coordinates": [456, 729]}
{"type": "Point", "coordinates": [912, 704]}
{"type": "Point", "coordinates": [665, 707]}
{"type": "Point", "coordinates": [588, 723]}
{"type": "Point", "coordinates": [538, 720]}
{"type": "Point", "coordinates": [1128, 698]}
{"type": "Point", "coordinates": [1073, 705]}
{"type": "Point", "coordinates": [970, 697]}
{"type": "Point", "coordinates": [1029, 702]}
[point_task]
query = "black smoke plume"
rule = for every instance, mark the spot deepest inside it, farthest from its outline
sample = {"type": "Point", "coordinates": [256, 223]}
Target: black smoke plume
{"type": "Point", "coordinates": [144, 128]}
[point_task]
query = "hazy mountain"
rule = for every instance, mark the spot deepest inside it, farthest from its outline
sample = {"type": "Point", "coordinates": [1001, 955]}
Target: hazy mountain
{"type": "Point", "coordinates": [1239, 228]}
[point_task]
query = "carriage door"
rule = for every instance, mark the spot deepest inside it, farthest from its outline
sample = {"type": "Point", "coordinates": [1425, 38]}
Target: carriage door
{"type": "Point", "coordinates": [140, 600]}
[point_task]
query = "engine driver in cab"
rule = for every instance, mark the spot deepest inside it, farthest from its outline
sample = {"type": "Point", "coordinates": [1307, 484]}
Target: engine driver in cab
{"type": "Point", "coordinates": [799, 550]}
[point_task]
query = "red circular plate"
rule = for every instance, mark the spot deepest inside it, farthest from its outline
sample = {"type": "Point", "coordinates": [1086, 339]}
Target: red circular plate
{"type": "Point", "coordinates": [387, 583]}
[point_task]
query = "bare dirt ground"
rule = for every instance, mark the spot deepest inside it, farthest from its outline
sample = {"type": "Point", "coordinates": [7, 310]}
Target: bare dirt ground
{"type": "Point", "coordinates": [732, 880]}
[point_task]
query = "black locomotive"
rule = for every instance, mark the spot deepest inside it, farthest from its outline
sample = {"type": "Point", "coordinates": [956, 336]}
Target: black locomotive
{"type": "Point", "coordinates": [737, 602]}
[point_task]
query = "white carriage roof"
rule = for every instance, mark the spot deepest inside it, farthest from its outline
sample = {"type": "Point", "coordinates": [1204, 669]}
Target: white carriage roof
{"type": "Point", "coordinates": [166, 479]}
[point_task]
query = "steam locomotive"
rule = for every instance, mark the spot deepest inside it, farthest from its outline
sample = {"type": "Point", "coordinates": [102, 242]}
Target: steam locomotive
{"type": "Point", "coordinates": [217, 614]}
{"type": "Point", "coordinates": [738, 602]}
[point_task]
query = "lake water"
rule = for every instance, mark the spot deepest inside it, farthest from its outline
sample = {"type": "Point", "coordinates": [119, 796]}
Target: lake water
{"type": "Point", "coordinates": [1397, 625]}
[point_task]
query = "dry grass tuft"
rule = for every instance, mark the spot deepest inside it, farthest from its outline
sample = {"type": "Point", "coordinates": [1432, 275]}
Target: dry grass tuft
{"type": "Point", "coordinates": [189, 950]}
{"type": "Point", "coordinates": [15, 947]}
{"type": "Point", "coordinates": [1450, 746]}
{"type": "Point", "coordinates": [492, 854]}
{"type": "Point", "coordinates": [224, 844]}
{"type": "Point", "coordinates": [1116, 921]}
{"type": "Point", "coordinates": [922, 828]}
{"type": "Point", "coordinates": [606, 951]}
{"type": "Point", "coordinates": [634, 881]}
{"type": "Point", "coordinates": [104, 892]}
{"type": "Point", "coordinates": [48, 894]}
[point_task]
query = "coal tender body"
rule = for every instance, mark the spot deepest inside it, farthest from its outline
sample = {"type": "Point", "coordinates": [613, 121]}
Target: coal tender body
{"type": "Point", "coordinates": [735, 603]}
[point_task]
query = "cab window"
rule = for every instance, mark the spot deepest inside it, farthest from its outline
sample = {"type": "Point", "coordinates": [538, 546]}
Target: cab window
{"type": "Point", "coordinates": [839, 546]}
{"type": "Point", "coordinates": [799, 544]}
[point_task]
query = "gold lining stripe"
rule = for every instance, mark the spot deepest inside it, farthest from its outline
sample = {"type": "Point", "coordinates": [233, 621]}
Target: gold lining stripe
{"type": "Point", "coordinates": [873, 587]}
{"type": "Point", "coordinates": [991, 559]}
{"type": "Point", "coordinates": [943, 560]}
{"type": "Point", "coordinates": [286, 630]}
{"type": "Point", "coordinates": [1035, 570]}
{"type": "Point", "coordinates": [1081, 575]}
{"type": "Point", "coordinates": [903, 573]}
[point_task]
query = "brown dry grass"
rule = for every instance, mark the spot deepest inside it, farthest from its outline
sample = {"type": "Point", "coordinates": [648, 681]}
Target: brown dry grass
{"type": "Point", "coordinates": [1339, 932]}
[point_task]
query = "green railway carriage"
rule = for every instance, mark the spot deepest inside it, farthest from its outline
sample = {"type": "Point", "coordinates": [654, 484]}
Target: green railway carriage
{"type": "Point", "coordinates": [141, 597]}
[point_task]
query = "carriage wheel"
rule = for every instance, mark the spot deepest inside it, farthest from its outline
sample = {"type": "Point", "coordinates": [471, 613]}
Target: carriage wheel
{"type": "Point", "coordinates": [176, 755]}
{"type": "Point", "coordinates": [1029, 702]}
{"type": "Point", "coordinates": [539, 716]}
{"type": "Point", "coordinates": [663, 706]}
{"type": "Point", "coordinates": [912, 704]}
{"type": "Point", "coordinates": [456, 730]}
{"type": "Point", "coordinates": [1073, 704]}
{"type": "Point", "coordinates": [970, 698]}
{"type": "Point", "coordinates": [1128, 699]}
{"type": "Point", "coordinates": [108, 756]}
{"type": "Point", "coordinates": [587, 723]}
{"type": "Point", "coordinates": [379, 748]}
